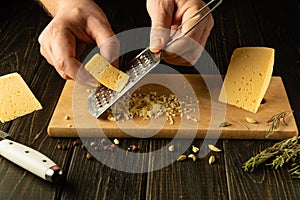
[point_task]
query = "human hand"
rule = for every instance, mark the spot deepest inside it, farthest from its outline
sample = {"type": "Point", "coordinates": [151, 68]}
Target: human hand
{"type": "Point", "coordinates": [76, 23]}
{"type": "Point", "coordinates": [166, 15]}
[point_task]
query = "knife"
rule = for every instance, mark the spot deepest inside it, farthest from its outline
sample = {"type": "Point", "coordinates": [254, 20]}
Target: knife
{"type": "Point", "coordinates": [29, 159]}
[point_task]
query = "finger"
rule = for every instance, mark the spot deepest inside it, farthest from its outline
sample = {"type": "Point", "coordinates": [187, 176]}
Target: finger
{"type": "Point", "coordinates": [185, 51]}
{"type": "Point", "coordinates": [45, 48]}
{"type": "Point", "coordinates": [161, 14]}
{"type": "Point", "coordinates": [204, 36]}
{"type": "Point", "coordinates": [100, 31]}
{"type": "Point", "coordinates": [204, 26]}
{"type": "Point", "coordinates": [63, 52]}
{"type": "Point", "coordinates": [49, 58]}
{"type": "Point", "coordinates": [110, 50]}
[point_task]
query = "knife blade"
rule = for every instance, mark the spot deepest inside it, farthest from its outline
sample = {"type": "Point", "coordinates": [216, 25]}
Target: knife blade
{"type": "Point", "coordinates": [29, 159]}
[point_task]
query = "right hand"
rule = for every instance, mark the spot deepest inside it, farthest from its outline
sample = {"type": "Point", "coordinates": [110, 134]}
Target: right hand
{"type": "Point", "coordinates": [76, 23]}
{"type": "Point", "coordinates": [166, 16]}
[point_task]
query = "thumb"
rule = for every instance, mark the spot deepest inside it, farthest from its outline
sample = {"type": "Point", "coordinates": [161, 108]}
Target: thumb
{"type": "Point", "coordinates": [110, 50]}
{"type": "Point", "coordinates": [161, 14]}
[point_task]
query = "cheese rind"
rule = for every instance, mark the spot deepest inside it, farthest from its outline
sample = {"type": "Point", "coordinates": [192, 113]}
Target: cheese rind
{"type": "Point", "coordinates": [106, 74]}
{"type": "Point", "coordinates": [248, 77]}
{"type": "Point", "coordinates": [16, 98]}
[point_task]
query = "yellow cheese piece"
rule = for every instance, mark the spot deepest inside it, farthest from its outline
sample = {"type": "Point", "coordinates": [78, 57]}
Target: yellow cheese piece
{"type": "Point", "coordinates": [248, 77]}
{"type": "Point", "coordinates": [16, 98]}
{"type": "Point", "coordinates": [106, 74]}
{"type": "Point", "coordinates": [113, 78]}
{"type": "Point", "coordinates": [96, 66]}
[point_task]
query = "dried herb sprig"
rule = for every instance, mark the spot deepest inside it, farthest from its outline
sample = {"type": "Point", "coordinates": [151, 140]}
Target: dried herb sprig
{"type": "Point", "coordinates": [274, 122]}
{"type": "Point", "coordinates": [278, 155]}
{"type": "Point", "coordinates": [242, 124]}
{"type": "Point", "coordinates": [295, 169]}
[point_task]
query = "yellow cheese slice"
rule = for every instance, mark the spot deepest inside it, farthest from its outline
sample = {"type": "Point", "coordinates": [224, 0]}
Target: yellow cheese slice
{"type": "Point", "coordinates": [113, 78]}
{"type": "Point", "coordinates": [106, 74]}
{"type": "Point", "coordinates": [96, 65]}
{"type": "Point", "coordinates": [16, 98]}
{"type": "Point", "coordinates": [248, 77]}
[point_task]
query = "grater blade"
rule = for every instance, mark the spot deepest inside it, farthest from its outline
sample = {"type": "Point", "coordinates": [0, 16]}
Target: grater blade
{"type": "Point", "coordinates": [103, 98]}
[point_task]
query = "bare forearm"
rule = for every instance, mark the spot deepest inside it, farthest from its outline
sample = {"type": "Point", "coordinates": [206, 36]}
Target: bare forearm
{"type": "Point", "coordinates": [49, 5]}
{"type": "Point", "coordinates": [52, 6]}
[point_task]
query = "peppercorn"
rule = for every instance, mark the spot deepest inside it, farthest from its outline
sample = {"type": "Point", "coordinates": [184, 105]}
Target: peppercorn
{"type": "Point", "coordinates": [89, 156]}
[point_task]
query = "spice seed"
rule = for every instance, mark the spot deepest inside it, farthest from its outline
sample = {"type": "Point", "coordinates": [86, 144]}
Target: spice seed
{"type": "Point", "coordinates": [92, 143]}
{"type": "Point", "coordinates": [89, 156]}
{"type": "Point", "coordinates": [103, 140]}
{"type": "Point", "coordinates": [133, 147]}
{"type": "Point", "coordinates": [171, 148]}
{"type": "Point", "coordinates": [213, 148]}
{"type": "Point", "coordinates": [181, 158]}
{"type": "Point", "coordinates": [192, 156]}
{"type": "Point", "coordinates": [195, 149]}
{"type": "Point", "coordinates": [58, 146]}
{"type": "Point", "coordinates": [224, 124]}
{"type": "Point", "coordinates": [74, 143]}
{"type": "Point", "coordinates": [116, 141]}
{"type": "Point", "coordinates": [251, 120]}
{"type": "Point", "coordinates": [211, 159]}
{"type": "Point", "coordinates": [105, 147]}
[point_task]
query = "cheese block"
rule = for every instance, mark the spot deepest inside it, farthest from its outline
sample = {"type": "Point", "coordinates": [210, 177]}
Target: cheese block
{"type": "Point", "coordinates": [96, 65]}
{"type": "Point", "coordinates": [248, 77]}
{"type": "Point", "coordinates": [106, 74]}
{"type": "Point", "coordinates": [16, 98]}
{"type": "Point", "coordinates": [113, 78]}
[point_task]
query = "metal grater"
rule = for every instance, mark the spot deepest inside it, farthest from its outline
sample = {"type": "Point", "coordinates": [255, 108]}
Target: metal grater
{"type": "Point", "coordinates": [103, 98]}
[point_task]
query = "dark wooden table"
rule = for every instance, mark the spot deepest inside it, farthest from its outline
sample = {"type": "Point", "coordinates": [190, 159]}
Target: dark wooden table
{"type": "Point", "coordinates": [237, 23]}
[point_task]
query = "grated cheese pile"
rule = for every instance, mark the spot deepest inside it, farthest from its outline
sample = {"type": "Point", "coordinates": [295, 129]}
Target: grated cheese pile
{"type": "Point", "coordinates": [150, 106]}
{"type": "Point", "coordinates": [146, 106]}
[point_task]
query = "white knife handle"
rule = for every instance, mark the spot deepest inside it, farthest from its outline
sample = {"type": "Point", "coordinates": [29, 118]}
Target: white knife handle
{"type": "Point", "coordinates": [31, 160]}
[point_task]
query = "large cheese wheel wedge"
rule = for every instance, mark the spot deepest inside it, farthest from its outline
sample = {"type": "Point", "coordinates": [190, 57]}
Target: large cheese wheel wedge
{"type": "Point", "coordinates": [248, 77]}
{"type": "Point", "coordinates": [16, 98]}
{"type": "Point", "coordinates": [106, 74]}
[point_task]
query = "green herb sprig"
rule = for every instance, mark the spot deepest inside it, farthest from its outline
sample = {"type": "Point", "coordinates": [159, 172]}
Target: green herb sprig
{"type": "Point", "coordinates": [281, 153]}
{"type": "Point", "coordinates": [274, 122]}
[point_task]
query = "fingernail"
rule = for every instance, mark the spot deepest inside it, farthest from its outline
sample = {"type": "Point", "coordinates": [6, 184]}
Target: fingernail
{"type": "Point", "coordinates": [156, 44]}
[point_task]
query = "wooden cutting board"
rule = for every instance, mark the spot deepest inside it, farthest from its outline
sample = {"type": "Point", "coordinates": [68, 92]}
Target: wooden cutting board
{"type": "Point", "coordinates": [204, 118]}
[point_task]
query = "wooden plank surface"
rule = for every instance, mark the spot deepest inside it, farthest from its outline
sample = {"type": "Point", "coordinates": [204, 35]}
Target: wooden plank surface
{"type": "Point", "coordinates": [73, 103]}
{"type": "Point", "coordinates": [187, 179]}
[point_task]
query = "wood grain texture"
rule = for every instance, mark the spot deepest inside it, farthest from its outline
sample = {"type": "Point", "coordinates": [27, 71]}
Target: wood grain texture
{"type": "Point", "coordinates": [120, 178]}
{"type": "Point", "coordinates": [186, 179]}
